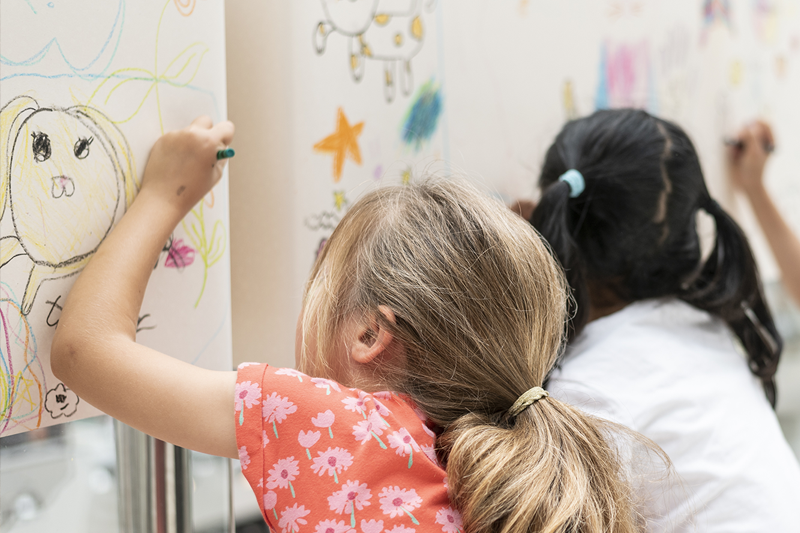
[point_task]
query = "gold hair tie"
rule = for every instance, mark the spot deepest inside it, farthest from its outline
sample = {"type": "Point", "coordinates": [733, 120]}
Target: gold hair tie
{"type": "Point", "coordinates": [527, 399]}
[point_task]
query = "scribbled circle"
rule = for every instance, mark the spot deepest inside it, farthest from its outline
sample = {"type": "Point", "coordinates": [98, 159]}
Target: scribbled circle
{"type": "Point", "coordinates": [22, 378]}
{"type": "Point", "coordinates": [185, 7]}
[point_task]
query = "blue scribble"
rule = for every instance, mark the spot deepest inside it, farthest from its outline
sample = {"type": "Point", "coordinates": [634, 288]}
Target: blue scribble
{"type": "Point", "coordinates": [31, 6]}
{"type": "Point", "coordinates": [78, 71]}
{"type": "Point", "coordinates": [601, 100]}
{"type": "Point", "coordinates": [422, 118]}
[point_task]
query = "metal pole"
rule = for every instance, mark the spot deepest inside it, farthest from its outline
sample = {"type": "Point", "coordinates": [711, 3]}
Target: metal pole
{"type": "Point", "coordinates": [154, 484]}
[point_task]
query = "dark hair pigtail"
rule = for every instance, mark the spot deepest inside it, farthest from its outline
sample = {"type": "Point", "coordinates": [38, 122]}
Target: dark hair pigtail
{"type": "Point", "coordinates": [552, 219]}
{"type": "Point", "coordinates": [728, 286]}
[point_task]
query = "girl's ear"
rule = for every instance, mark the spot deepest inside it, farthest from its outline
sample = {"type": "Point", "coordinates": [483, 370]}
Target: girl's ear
{"type": "Point", "coordinates": [372, 339]}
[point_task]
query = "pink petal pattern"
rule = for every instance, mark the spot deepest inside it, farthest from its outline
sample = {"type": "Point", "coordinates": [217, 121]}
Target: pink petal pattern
{"type": "Point", "coordinates": [332, 526]}
{"type": "Point", "coordinates": [244, 457]}
{"type": "Point", "coordinates": [327, 384]}
{"type": "Point", "coordinates": [246, 395]}
{"type": "Point", "coordinates": [283, 473]}
{"type": "Point", "coordinates": [308, 438]}
{"type": "Point", "coordinates": [333, 461]}
{"type": "Point", "coordinates": [372, 526]}
{"type": "Point", "coordinates": [292, 518]}
{"type": "Point", "coordinates": [396, 501]}
{"type": "Point", "coordinates": [290, 372]}
{"type": "Point", "coordinates": [351, 496]}
{"type": "Point", "coordinates": [449, 519]}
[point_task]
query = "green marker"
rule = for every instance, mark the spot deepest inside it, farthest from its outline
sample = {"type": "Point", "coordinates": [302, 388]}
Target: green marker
{"type": "Point", "coordinates": [225, 154]}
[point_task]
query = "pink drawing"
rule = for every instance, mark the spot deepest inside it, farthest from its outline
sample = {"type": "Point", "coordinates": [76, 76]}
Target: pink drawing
{"type": "Point", "coordinates": [247, 395]}
{"type": "Point", "coordinates": [332, 526]}
{"type": "Point", "coordinates": [244, 458]}
{"type": "Point", "coordinates": [625, 77]}
{"type": "Point", "coordinates": [324, 420]}
{"type": "Point", "coordinates": [450, 520]}
{"type": "Point", "coordinates": [290, 372]}
{"type": "Point", "coordinates": [307, 440]}
{"type": "Point", "coordinates": [292, 517]}
{"type": "Point", "coordinates": [283, 473]}
{"type": "Point", "coordinates": [404, 444]}
{"type": "Point", "coordinates": [270, 500]}
{"type": "Point", "coordinates": [373, 526]}
{"type": "Point", "coordinates": [275, 410]}
{"type": "Point", "coordinates": [369, 428]}
{"type": "Point", "coordinates": [322, 383]}
{"type": "Point", "coordinates": [352, 496]}
{"type": "Point", "coordinates": [264, 438]}
{"type": "Point", "coordinates": [333, 461]}
{"type": "Point", "coordinates": [396, 501]}
{"type": "Point", "coordinates": [179, 255]}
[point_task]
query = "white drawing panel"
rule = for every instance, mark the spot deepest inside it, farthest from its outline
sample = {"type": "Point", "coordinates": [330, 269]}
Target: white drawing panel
{"type": "Point", "coordinates": [85, 90]}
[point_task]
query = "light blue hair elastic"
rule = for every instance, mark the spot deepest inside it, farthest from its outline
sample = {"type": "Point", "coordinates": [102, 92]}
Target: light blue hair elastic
{"type": "Point", "coordinates": [575, 181]}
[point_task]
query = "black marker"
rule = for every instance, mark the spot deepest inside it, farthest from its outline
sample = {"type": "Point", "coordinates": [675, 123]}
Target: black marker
{"type": "Point", "coordinates": [739, 145]}
{"type": "Point", "coordinates": [227, 153]}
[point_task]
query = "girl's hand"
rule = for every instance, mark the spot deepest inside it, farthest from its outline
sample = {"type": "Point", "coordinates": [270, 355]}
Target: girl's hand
{"type": "Point", "coordinates": [183, 165]}
{"type": "Point", "coordinates": [746, 162]}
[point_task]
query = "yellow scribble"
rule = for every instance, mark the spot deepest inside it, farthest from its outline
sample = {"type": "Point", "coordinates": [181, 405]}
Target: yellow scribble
{"type": "Point", "coordinates": [342, 144]}
{"type": "Point", "coordinates": [736, 73]}
{"type": "Point", "coordinates": [339, 200]}
{"type": "Point", "coordinates": [382, 19]}
{"type": "Point", "coordinates": [416, 28]}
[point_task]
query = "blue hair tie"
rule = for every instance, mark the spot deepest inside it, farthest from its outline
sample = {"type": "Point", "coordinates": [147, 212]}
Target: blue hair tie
{"type": "Point", "coordinates": [575, 181]}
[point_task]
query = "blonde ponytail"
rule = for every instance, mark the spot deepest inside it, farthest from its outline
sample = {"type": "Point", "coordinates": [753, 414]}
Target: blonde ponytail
{"type": "Point", "coordinates": [480, 310]}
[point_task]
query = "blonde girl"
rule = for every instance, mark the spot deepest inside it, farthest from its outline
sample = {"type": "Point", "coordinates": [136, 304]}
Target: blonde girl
{"type": "Point", "coordinates": [433, 292]}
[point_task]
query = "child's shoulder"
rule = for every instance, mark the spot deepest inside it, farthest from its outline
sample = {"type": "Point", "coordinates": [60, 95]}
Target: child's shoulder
{"type": "Point", "coordinates": [301, 438]}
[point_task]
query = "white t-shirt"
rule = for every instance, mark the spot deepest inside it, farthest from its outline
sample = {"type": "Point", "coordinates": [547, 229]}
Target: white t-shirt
{"type": "Point", "coordinates": [676, 375]}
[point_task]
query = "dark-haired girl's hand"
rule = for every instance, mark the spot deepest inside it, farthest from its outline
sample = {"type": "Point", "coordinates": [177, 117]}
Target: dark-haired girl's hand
{"type": "Point", "coordinates": [747, 158]}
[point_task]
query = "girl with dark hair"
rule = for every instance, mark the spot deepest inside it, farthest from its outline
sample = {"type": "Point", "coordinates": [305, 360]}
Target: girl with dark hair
{"type": "Point", "coordinates": [679, 347]}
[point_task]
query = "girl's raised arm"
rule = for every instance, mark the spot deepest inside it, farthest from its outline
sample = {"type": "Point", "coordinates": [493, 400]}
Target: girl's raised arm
{"type": "Point", "coordinates": [94, 351]}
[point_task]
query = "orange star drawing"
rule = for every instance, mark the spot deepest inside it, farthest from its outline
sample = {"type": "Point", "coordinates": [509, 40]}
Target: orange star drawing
{"type": "Point", "coordinates": [342, 144]}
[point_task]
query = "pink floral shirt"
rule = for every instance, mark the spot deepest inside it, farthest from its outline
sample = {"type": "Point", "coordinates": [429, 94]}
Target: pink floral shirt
{"type": "Point", "coordinates": [322, 458]}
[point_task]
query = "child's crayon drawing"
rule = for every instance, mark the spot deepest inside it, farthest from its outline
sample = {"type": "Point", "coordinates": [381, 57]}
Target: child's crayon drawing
{"type": "Point", "coordinates": [66, 178]}
{"type": "Point", "coordinates": [342, 144]}
{"type": "Point", "coordinates": [390, 31]}
{"type": "Point", "coordinates": [625, 77]}
{"type": "Point", "coordinates": [23, 382]}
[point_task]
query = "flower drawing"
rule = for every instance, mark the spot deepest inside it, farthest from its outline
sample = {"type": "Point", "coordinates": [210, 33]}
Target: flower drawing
{"type": "Point", "coordinates": [246, 395]}
{"type": "Point", "coordinates": [244, 458]}
{"type": "Point", "coordinates": [307, 439]}
{"type": "Point", "coordinates": [332, 461]}
{"type": "Point", "coordinates": [270, 500]}
{"type": "Point", "coordinates": [275, 409]}
{"type": "Point", "coordinates": [264, 438]}
{"type": "Point", "coordinates": [352, 496]}
{"type": "Point", "coordinates": [404, 444]}
{"type": "Point", "coordinates": [450, 520]}
{"type": "Point", "coordinates": [292, 517]}
{"type": "Point", "coordinates": [332, 526]}
{"type": "Point", "coordinates": [322, 383]}
{"type": "Point", "coordinates": [396, 501]}
{"type": "Point", "coordinates": [324, 420]}
{"type": "Point", "coordinates": [401, 529]}
{"type": "Point", "coordinates": [283, 473]}
{"type": "Point", "coordinates": [290, 372]}
{"type": "Point", "coordinates": [179, 255]}
{"type": "Point", "coordinates": [372, 526]}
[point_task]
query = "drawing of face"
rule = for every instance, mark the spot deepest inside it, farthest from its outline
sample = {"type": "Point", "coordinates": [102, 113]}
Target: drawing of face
{"type": "Point", "coordinates": [351, 17]}
{"type": "Point", "coordinates": [65, 188]}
